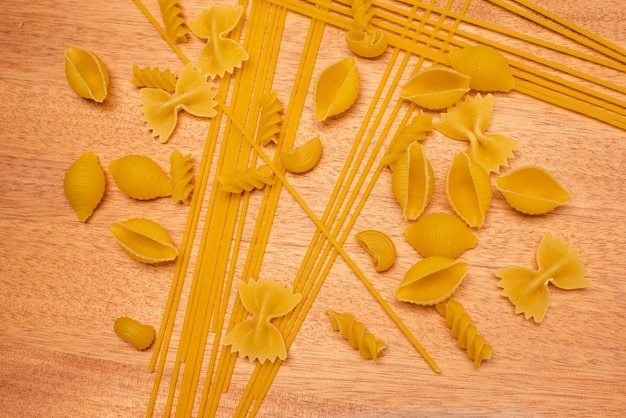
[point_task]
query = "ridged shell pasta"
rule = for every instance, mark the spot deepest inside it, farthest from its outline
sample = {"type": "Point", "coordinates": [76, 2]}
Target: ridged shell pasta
{"type": "Point", "coordinates": [416, 130]}
{"type": "Point", "coordinates": [86, 74]}
{"type": "Point", "coordinates": [532, 190]}
{"type": "Point", "coordinates": [181, 175]}
{"type": "Point", "coordinates": [487, 67]}
{"type": "Point", "coordinates": [379, 246]}
{"type": "Point", "coordinates": [431, 280]}
{"type": "Point", "coordinates": [337, 88]}
{"type": "Point", "coordinates": [436, 87]}
{"type": "Point", "coordinates": [246, 180]}
{"type": "Point", "coordinates": [257, 338]}
{"type": "Point", "coordinates": [304, 157]}
{"type": "Point", "coordinates": [468, 121]}
{"type": "Point", "coordinates": [354, 331]}
{"type": "Point", "coordinates": [140, 177]}
{"type": "Point", "coordinates": [440, 234]}
{"type": "Point", "coordinates": [527, 289]}
{"type": "Point", "coordinates": [84, 184]}
{"type": "Point", "coordinates": [270, 119]}
{"type": "Point", "coordinates": [468, 190]}
{"type": "Point", "coordinates": [412, 181]}
{"type": "Point", "coordinates": [465, 332]}
{"type": "Point", "coordinates": [144, 240]}
{"type": "Point", "coordinates": [173, 20]}
{"type": "Point", "coordinates": [154, 78]}
{"type": "Point", "coordinates": [134, 332]}
{"type": "Point", "coordinates": [221, 54]}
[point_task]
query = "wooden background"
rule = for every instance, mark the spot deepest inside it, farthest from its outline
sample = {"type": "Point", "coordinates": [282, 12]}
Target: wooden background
{"type": "Point", "coordinates": [63, 283]}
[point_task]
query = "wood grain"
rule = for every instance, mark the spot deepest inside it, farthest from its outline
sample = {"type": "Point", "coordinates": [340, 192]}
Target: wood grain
{"type": "Point", "coordinates": [63, 283]}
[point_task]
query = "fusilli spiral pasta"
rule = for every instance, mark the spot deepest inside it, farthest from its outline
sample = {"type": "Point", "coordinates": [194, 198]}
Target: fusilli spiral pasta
{"type": "Point", "coordinates": [173, 20]}
{"type": "Point", "coordinates": [154, 78]}
{"type": "Point", "coordinates": [252, 178]}
{"type": "Point", "coordinates": [270, 119]}
{"type": "Point", "coordinates": [367, 344]}
{"type": "Point", "coordinates": [181, 175]}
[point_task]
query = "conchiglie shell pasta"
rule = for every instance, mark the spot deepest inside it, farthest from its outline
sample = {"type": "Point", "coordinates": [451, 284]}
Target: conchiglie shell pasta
{"type": "Point", "coordinates": [431, 280]}
{"type": "Point", "coordinates": [337, 89]}
{"type": "Point", "coordinates": [144, 240]}
{"type": "Point", "coordinates": [412, 181]}
{"type": "Point", "coordinates": [84, 184]}
{"type": "Point", "coordinates": [440, 234]}
{"type": "Point", "coordinates": [532, 190]}
{"type": "Point", "coordinates": [487, 67]}
{"type": "Point", "coordinates": [379, 246]}
{"type": "Point", "coordinates": [436, 88]}
{"type": "Point", "coordinates": [304, 157]}
{"type": "Point", "coordinates": [86, 74]}
{"type": "Point", "coordinates": [140, 177]}
{"type": "Point", "coordinates": [468, 190]}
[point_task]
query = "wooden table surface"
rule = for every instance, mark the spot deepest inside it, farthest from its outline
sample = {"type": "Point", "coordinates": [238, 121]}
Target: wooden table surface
{"type": "Point", "coordinates": [63, 282]}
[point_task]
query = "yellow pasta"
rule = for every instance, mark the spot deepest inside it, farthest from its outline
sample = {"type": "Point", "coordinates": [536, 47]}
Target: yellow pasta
{"type": "Point", "coordinates": [221, 54]}
{"type": "Point", "coordinates": [412, 181]}
{"type": "Point", "coordinates": [532, 190]}
{"type": "Point", "coordinates": [246, 180]}
{"type": "Point", "coordinates": [436, 87]}
{"type": "Point", "coordinates": [379, 246]}
{"type": "Point", "coordinates": [353, 331]}
{"type": "Point", "coordinates": [181, 175]}
{"type": "Point", "coordinates": [416, 130]}
{"type": "Point", "coordinates": [193, 94]}
{"type": "Point", "coordinates": [431, 280]}
{"type": "Point", "coordinates": [304, 157]}
{"type": "Point", "coordinates": [84, 184]}
{"type": "Point", "coordinates": [462, 329]}
{"type": "Point", "coordinates": [337, 88]}
{"type": "Point", "coordinates": [468, 190]}
{"type": "Point", "coordinates": [365, 40]}
{"type": "Point", "coordinates": [140, 177]}
{"type": "Point", "coordinates": [144, 240]}
{"type": "Point", "coordinates": [86, 74]}
{"type": "Point", "coordinates": [257, 338]}
{"type": "Point", "coordinates": [487, 67]}
{"type": "Point", "coordinates": [173, 20]}
{"type": "Point", "coordinates": [132, 331]}
{"type": "Point", "coordinates": [154, 78]}
{"type": "Point", "coordinates": [270, 119]}
{"type": "Point", "coordinates": [468, 121]}
{"type": "Point", "coordinates": [440, 234]}
{"type": "Point", "coordinates": [527, 289]}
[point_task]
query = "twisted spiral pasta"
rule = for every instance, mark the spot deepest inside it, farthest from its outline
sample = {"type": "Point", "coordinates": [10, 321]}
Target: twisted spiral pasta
{"type": "Point", "coordinates": [270, 119]}
{"type": "Point", "coordinates": [416, 130]}
{"type": "Point", "coordinates": [180, 173]}
{"type": "Point", "coordinates": [364, 39]}
{"type": "Point", "coordinates": [252, 178]}
{"type": "Point", "coordinates": [154, 78]}
{"type": "Point", "coordinates": [173, 20]}
{"type": "Point", "coordinates": [466, 333]}
{"type": "Point", "coordinates": [354, 332]}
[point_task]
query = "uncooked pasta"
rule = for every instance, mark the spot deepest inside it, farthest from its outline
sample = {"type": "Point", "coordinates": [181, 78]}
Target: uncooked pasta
{"type": "Point", "coordinates": [337, 88]}
{"type": "Point", "coordinates": [140, 177]}
{"type": "Point", "coordinates": [86, 74]}
{"type": "Point", "coordinates": [354, 331]}
{"type": "Point", "coordinates": [144, 240]}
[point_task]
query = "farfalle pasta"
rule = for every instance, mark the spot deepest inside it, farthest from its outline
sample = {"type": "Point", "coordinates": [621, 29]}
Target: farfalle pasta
{"type": "Point", "coordinates": [144, 240]}
{"type": "Point", "coordinates": [140, 177]}
{"type": "Point", "coordinates": [336, 89]}
{"type": "Point", "coordinates": [303, 158]}
{"type": "Point", "coordinates": [440, 234]}
{"type": "Point", "coordinates": [416, 130]}
{"type": "Point", "coordinates": [257, 338]}
{"type": "Point", "coordinates": [412, 181]}
{"type": "Point", "coordinates": [154, 78]}
{"type": "Point", "coordinates": [436, 87]}
{"type": "Point", "coordinates": [486, 66]}
{"type": "Point", "coordinates": [84, 185]}
{"type": "Point", "coordinates": [270, 119]}
{"type": "Point", "coordinates": [354, 331]}
{"type": "Point", "coordinates": [134, 332]}
{"type": "Point", "coordinates": [181, 176]}
{"type": "Point", "coordinates": [86, 74]}
{"type": "Point", "coordinates": [527, 289]}
{"type": "Point", "coordinates": [221, 54]}
{"type": "Point", "coordinates": [468, 121]}
{"type": "Point", "coordinates": [379, 246]}
{"type": "Point", "coordinates": [247, 180]}
{"type": "Point", "coordinates": [173, 20]}
{"type": "Point", "coordinates": [364, 39]}
{"type": "Point", "coordinates": [464, 331]}
{"type": "Point", "coordinates": [192, 93]}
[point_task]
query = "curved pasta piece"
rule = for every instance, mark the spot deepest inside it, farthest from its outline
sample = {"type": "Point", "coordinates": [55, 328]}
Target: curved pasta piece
{"type": "Point", "coordinates": [86, 74]}
{"type": "Point", "coordinates": [379, 246]}
{"type": "Point", "coordinates": [140, 177]}
{"type": "Point", "coordinates": [412, 181]}
{"type": "Point", "coordinates": [144, 240]}
{"type": "Point", "coordinates": [173, 20]}
{"type": "Point", "coordinates": [154, 78]}
{"type": "Point", "coordinates": [84, 184]}
{"type": "Point", "coordinates": [416, 130]}
{"type": "Point", "coordinates": [192, 93]}
{"type": "Point", "coordinates": [134, 332]}
{"type": "Point", "coordinates": [181, 175]}
{"type": "Point", "coordinates": [527, 289]}
{"type": "Point", "coordinates": [468, 190]}
{"type": "Point", "coordinates": [431, 280]}
{"type": "Point", "coordinates": [532, 190]}
{"type": "Point", "coordinates": [462, 329]}
{"type": "Point", "coordinates": [221, 54]}
{"type": "Point", "coordinates": [353, 331]}
{"type": "Point", "coordinates": [304, 157]}
{"type": "Point", "coordinates": [361, 14]}
{"type": "Point", "coordinates": [252, 178]}
{"type": "Point", "coordinates": [440, 234]}
{"type": "Point", "coordinates": [270, 119]}
{"type": "Point", "coordinates": [436, 87]}
{"type": "Point", "coordinates": [467, 121]}
{"type": "Point", "coordinates": [257, 338]}
{"type": "Point", "coordinates": [367, 44]}
{"type": "Point", "coordinates": [337, 88]}
{"type": "Point", "coordinates": [487, 67]}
